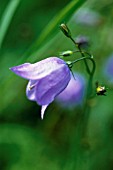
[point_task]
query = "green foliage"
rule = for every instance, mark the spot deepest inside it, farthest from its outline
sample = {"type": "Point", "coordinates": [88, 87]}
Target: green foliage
{"type": "Point", "coordinates": [6, 18]}
{"type": "Point", "coordinates": [29, 32]}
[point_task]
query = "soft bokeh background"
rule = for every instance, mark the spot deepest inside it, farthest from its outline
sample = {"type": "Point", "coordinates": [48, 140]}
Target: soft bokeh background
{"type": "Point", "coordinates": [29, 32]}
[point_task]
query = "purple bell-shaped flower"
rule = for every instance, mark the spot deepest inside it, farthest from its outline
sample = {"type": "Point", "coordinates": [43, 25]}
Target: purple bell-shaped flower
{"type": "Point", "coordinates": [47, 79]}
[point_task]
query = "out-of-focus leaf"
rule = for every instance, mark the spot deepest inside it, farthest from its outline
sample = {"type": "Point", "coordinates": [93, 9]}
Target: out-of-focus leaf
{"type": "Point", "coordinates": [24, 148]}
{"type": "Point", "coordinates": [7, 17]}
{"type": "Point", "coordinates": [62, 16]}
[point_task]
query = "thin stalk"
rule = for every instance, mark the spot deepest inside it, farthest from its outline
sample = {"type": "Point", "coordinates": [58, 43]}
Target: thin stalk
{"type": "Point", "coordinates": [84, 52]}
{"type": "Point", "coordinates": [86, 64]}
{"type": "Point", "coordinates": [85, 58]}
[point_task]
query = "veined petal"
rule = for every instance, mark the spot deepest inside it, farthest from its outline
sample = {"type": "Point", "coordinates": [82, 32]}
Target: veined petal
{"type": "Point", "coordinates": [50, 86]}
{"type": "Point", "coordinates": [30, 90]}
{"type": "Point", "coordinates": [38, 70]}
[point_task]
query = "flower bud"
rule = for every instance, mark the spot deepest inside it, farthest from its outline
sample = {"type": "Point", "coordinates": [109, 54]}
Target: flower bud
{"type": "Point", "coordinates": [65, 30]}
{"type": "Point", "coordinates": [82, 41]}
{"type": "Point", "coordinates": [66, 53]}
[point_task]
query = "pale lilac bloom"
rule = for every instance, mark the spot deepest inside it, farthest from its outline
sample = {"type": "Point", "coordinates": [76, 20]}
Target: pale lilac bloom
{"type": "Point", "coordinates": [74, 93]}
{"type": "Point", "coordinates": [108, 68]}
{"type": "Point", "coordinates": [87, 17]}
{"type": "Point", "coordinates": [47, 78]}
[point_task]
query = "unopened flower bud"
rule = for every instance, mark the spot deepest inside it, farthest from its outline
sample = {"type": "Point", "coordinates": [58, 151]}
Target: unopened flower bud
{"type": "Point", "coordinates": [82, 41]}
{"type": "Point", "coordinates": [65, 30]}
{"type": "Point", "coordinates": [66, 53]}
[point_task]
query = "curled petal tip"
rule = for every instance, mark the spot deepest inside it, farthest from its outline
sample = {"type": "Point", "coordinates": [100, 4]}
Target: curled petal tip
{"type": "Point", "coordinates": [43, 111]}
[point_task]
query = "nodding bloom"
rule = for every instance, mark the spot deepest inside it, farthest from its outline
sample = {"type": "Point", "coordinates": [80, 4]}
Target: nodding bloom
{"type": "Point", "coordinates": [108, 68]}
{"type": "Point", "coordinates": [74, 93]}
{"type": "Point", "coordinates": [47, 78]}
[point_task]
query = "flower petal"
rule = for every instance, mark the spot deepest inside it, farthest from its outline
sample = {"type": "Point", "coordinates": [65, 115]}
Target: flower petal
{"type": "Point", "coordinates": [43, 110]}
{"type": "Point", "coordinates": [30, 90]}
{"type": "Point", "coordinates": [21, 70]}
{"type": "Point", "coordinates": [50, 86]}
{"type": "Point", "coordinates": [74, 93]}
{"type": "Point", "coordinates": [39, 69]}
{"type": "Point", "coordinates": [109, 67]}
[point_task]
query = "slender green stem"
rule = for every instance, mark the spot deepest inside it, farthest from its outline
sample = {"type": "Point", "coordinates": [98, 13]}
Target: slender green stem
{"type": "Point", "coordinates": [89, 92]}
{"type": "Point", "coordinates": [82, 126]}
{"type": "Point", "coordinates": [84, 52]}
{"type": "Point", "coordinates": [86, 64]}
{"type": "Point", "coordinates": [79, 59]}
{"type": "Point", "coordinates": [81, 132]}
{"type": "Point", "coordinates": [73, 41]}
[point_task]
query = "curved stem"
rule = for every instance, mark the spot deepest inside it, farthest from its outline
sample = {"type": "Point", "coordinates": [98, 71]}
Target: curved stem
{"type": "Point", "coordinates": [86, 64]}
{"type": "Point", "coordinates": [89, 58]}
{"type": "Point", "coordinates": [84, 52]}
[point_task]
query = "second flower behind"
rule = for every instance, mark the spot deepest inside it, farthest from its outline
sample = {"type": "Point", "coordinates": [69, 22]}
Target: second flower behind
{"type": "Point", "coordinates": [74, 93]}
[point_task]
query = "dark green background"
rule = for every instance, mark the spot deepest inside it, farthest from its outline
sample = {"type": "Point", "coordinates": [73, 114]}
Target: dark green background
{"type": "Point", "coordinates": [27, 142]}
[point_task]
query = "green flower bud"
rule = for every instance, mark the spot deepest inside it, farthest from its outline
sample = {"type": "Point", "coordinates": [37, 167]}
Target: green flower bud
{"type": "Point", "coordinates": [65, 30]}
{"type": "Point", "coordinates": [66, 53]}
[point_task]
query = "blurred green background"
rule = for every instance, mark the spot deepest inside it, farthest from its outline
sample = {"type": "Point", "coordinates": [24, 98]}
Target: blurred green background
{"type": "Point", "coordinates": [29, 32]}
